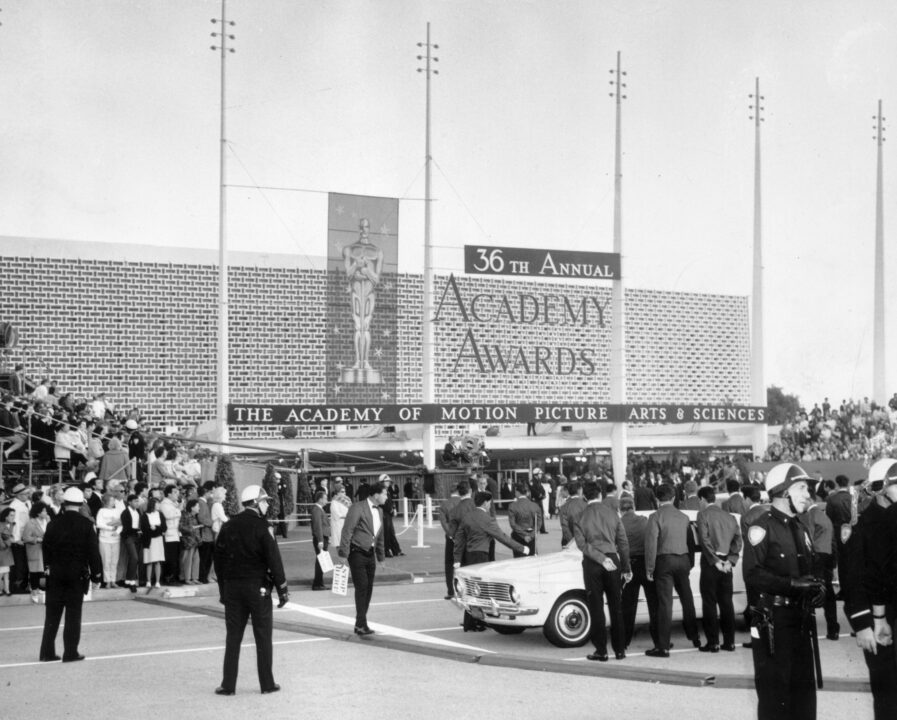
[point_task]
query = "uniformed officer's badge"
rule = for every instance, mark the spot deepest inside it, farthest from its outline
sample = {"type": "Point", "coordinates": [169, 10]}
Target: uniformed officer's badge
{"type": "Point", "coordinates": [756, 534]}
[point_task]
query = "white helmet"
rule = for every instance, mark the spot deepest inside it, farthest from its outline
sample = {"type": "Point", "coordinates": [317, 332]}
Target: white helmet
{"type": "Point", "coordinates": [783, 476]}
{"type": "Point", "coordinates": [73, 496]}
{"type": "Point", "coordinates": [253, 493]}
{"type": "Point", "coordinates": [884, 472]}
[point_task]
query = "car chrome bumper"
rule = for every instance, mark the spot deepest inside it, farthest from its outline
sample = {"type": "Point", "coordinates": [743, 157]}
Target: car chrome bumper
{"type": "Point", "coordinates": [493, 609]}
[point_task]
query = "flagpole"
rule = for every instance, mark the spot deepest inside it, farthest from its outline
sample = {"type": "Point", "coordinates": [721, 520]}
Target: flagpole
{"type": "Point", "coordinates": [879, 375]}
{"type": "Point", "coordinates": [618, 301]}
{"type": "Point", "coordinates": [427, 360]}
{"type": "Point", "coordinates": [223, 394]}
{"type": "Point", "coordinates": [758, 387]}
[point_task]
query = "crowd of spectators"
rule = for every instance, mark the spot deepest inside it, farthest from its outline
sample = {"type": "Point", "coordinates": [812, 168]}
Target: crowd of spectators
{"type": "Point", "coordinates": [855, 430]}
{"type": "Point", "coordinates": [156, 519]}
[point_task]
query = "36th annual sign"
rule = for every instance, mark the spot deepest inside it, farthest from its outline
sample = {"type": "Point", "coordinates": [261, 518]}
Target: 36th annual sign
{"type": "Point", "coordinates": [528, 262]}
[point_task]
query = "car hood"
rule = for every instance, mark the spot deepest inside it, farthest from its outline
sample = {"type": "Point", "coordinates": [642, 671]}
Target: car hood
{"type": "Point", "coordinates": [526, 568]}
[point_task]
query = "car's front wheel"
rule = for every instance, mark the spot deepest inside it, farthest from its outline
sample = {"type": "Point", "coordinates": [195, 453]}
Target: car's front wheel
{"type": "Point", "coordinates": [569, 621]}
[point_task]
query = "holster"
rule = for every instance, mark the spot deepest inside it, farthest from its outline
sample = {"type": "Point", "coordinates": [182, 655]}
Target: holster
{"type": "Point", "coordinates": [761, 618]}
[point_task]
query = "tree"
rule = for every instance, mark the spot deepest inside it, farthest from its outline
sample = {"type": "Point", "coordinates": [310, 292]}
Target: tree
{"type": "Point", "coordinates": [269, 485]}
{"type": "Point", "coordinates": [224, 477]}
{"type": "Point", "coordinates": [780, 406]}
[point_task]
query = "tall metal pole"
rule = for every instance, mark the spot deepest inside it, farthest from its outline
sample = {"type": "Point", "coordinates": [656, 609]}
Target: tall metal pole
{"type": "Point", "coordinates": [618, 300]}
{"type": "Point", "coordinates": [879, 379]}
{"type": "Point", "coordinates": [427, 371]}
{"type": "Point", "coordinates": [758, 386]}
{"type": "Point", "coordinates": [223, 394]}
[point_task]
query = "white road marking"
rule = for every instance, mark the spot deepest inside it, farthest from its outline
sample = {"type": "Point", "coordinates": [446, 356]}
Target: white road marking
{"type": "Point", "coordinates": [168, 652]}
{"type": "Point", "coordinates": [107, 622]}
{"type": "Point", "coordinates": [412, 635]}
{"type": "Point", "coordinates": [386, 603]}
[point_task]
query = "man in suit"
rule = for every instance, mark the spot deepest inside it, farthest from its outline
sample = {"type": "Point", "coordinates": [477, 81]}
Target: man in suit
{"type": "Point", "coordinates": [445, 512]}
{"type": "Point", "coordinates": [507, 491]}
{"type": "Point", "coordinates": [320, 532]}
{"type": "Point", "coordinates": [72, 558]}
{"type": "Point", "coordinates": [570, 511]}
{"type": "Point", "coordinates": [669, 548]}
{"type": "Point", "coordinates": [248, 567]}
{"type": "Point", "coordinates": [362, 544]}
{"type": "Point", "coordinates": [719, 537]}
{"type": "Point", "coordinates": [635, 525]}
{"type": "Point", "coordinates": [605, 566]}
{"type": "Point", "coordinates": [476, 530]}
{"type": "Point", "coordinates": [524, 516]}
{"type": "Point", "coordinates": [206, 536]}
{"type": "Point", "coordinates": [644, 495]}
{"type": "Point", "coordinates": [537, 494]}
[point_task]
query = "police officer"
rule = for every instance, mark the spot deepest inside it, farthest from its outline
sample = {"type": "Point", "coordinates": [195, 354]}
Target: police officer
{"type": "Point", "coordinates": [872, 562]}
{"type": "Point", "coordinates": [72, 558]}
{"type": "Point", "coordinates": [778, 565]}
{"type": "Point", "coordinates": [248, 564]}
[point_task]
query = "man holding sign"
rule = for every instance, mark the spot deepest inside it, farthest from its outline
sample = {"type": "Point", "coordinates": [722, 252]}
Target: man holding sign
{"type": "Point", "coordinates": [320, 531]}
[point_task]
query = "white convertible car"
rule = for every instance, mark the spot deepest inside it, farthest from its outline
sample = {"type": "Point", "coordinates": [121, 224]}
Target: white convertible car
{"type": "Point", "coordinates": [547, 591]}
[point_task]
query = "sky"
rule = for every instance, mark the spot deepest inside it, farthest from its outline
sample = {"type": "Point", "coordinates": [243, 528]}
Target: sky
{"type": "Point", "coordinates": [110, 131]}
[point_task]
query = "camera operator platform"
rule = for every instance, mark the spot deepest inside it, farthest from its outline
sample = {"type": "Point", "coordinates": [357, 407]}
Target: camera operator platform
{"type": "Point", "coordinates": [779, 565]}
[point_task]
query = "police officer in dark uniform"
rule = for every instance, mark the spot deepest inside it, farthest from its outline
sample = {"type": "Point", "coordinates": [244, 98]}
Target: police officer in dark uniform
{"type": "Point", "coordinates": [872, 561]}
{"type": "Point", "coordinates": [72, 558]}
{"type": "Point", "coordinates": [248, 565]}
{"type": "Point", "coordinates": [778, 568]}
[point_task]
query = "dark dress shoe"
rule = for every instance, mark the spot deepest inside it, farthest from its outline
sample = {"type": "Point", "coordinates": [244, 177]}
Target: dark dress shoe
{"type": "Point", "coordinates": [728, 647]}
{"type": "Point", "coordinates": [73, 658]}
{"type": "Point", "coordinates": [833, 635]}
{"type": "Point", "coordinates": [318, 587]}
{"type": "Point", "coordinates": [50, 658]}
{"type": "Point", "coordinates": [600, 657]}
{"type": "Point", "coordinates": [363, 631]}
{"type": "Point", "coordinates": [449, 597]}
{"type": "Point", "coordinates": [696, 642]}
{"type": "Point", "coordinates": [620, 655]}
{"type": "Point", "coordinates": [223, 691]}
{"type": "Point", "coordinates": [708, 648]}
{"type": "Point", "coordinates": [274, 688]}
{"type": "Point", "coordinates": [749, 644]}
{"type": "Point", "coordinates": [657, 652]}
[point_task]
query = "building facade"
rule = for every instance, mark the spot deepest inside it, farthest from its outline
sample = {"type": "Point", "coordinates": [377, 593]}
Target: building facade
{"type": "Point", "coordinates": [140, 323]}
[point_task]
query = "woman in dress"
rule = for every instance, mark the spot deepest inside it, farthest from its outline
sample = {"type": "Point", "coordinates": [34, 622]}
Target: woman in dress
{"type": "Point", "coordinates": [152, 523]}
{"type": "Point", "coordinates": [109, 530]}
{"type": "Point", "coordinates": [339, 508]}
{"type": "Point", "coordinates": [33, 538]}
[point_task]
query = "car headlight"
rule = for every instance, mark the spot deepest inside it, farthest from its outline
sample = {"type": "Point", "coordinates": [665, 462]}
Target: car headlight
{"type": "Point", "coordinates": [515, 596]}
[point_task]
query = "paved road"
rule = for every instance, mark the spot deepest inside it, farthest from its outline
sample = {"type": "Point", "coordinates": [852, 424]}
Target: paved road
{"type": "Point", "coordinates": [155, 656]}
{"type": "Point", "coordinates": [147, 660]}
